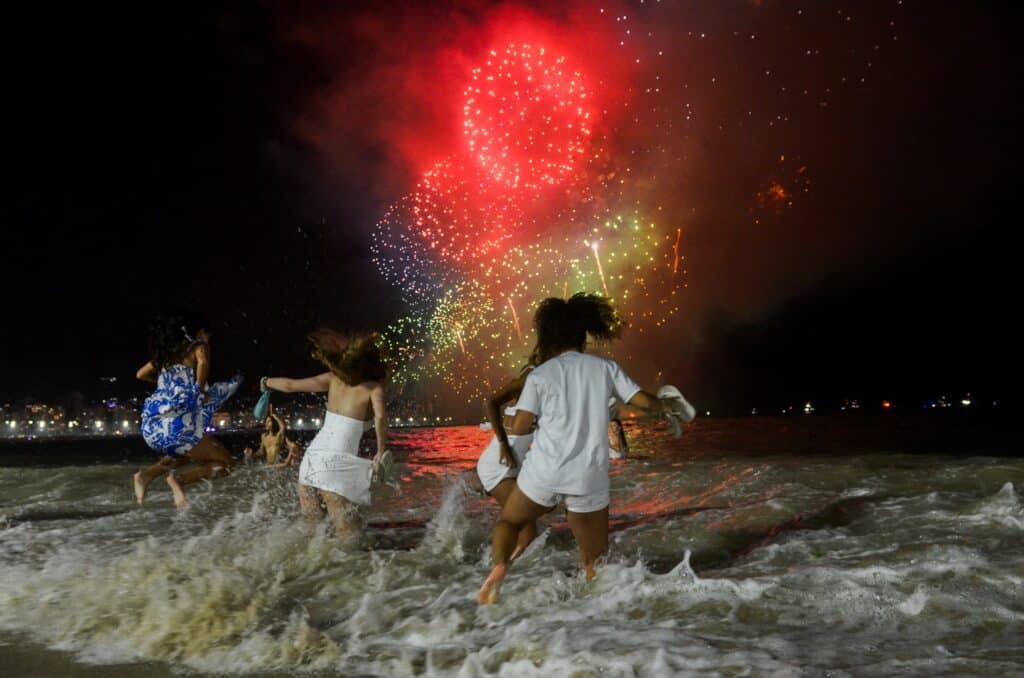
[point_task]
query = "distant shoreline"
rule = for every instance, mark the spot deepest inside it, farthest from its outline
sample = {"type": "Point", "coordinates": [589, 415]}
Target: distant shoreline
{"type": "Point", "coordinates": [956, 433]}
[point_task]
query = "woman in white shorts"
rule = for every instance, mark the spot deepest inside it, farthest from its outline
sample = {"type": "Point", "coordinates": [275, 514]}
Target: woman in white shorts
{"type": "Point", "coordinates": [500, 461]}
{"type": "Point", "coordinates": [332, 476]}
{"type": "Point", "coordinates": [566, 396]}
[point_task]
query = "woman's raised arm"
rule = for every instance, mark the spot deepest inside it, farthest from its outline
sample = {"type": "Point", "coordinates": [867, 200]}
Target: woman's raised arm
{"type": "Point", "coordinates": [317, 384]}
{"type": "Point", "coordinates": [147, 372]}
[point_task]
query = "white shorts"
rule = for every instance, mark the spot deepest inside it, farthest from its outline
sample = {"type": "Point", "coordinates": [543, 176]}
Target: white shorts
{"type": "Point", "coordinates": [331, 462]}
{"type": "Point", "coordinates": [577, 503]}
{"type": "Point", "coordinates": [489, 466]}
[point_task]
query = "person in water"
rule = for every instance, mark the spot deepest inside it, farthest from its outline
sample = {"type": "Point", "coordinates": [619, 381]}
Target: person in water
{"type": "Point", "coordinates": [273, 440]}
{"type": "Point", "coordinates": [566, 396]}
{"type": "Point", "coordinates": [618, 441]}
{"type": "Point", "coordinates": [175, 417]}
{"type": "Point", "coordinates": [332, 476]}
{"type": "Point", "coordinates": [499, 463]}
{"type": "Point", "coordinates": [294, 457]}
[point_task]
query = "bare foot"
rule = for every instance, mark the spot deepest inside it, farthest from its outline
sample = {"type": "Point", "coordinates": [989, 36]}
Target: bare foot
{"type": "Point", "coordinates": [492, 587]}
{"type": "Point", "coordinates": [591, 571]}
{"type": "Point", "coordinates": [179, 494]}
{"type": "Point", "coordinates": [140, 487]}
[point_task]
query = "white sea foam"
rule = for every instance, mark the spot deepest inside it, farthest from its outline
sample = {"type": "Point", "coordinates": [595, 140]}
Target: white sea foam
{"type": "Point", "coordinates": [801, 580]}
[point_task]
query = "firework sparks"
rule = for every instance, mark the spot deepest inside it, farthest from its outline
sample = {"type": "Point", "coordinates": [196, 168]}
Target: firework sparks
{"type": "Point", "coordinates": [515, 319]}
{"type": "Point", "coordinates": [675, 251]}
{"type": "Point", "coordinates": [474, 235]}
{"type": "Point", "coordinates": [597, 258]}
{"type": "Point", "coordinates": [527, 117]}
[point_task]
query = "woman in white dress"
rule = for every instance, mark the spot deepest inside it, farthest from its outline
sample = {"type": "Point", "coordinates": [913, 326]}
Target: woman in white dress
{"type": "Point", "coordinates": [332, 476]}
{"type": "Point", "coordinates": [499, 463]}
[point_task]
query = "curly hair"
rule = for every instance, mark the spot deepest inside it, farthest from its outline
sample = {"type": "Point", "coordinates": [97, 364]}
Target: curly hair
{"type": "Point", "coordinates": [172, 335]}
{"type": "Point", "coordinates": [563, 325]}
{"type": "Point", "coordinates": [353, 361]}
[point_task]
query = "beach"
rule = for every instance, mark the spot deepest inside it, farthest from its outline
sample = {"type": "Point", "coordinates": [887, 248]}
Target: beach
{"type": "Point", "coordinates": [756, 546]}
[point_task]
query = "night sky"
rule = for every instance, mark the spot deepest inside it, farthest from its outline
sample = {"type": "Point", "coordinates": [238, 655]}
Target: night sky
{"type": "Point", "coordinates": [236, 157]}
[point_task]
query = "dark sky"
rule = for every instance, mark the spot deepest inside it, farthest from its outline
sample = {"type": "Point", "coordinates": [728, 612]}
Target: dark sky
{"type": "Point", "coordinates": [235, 156]}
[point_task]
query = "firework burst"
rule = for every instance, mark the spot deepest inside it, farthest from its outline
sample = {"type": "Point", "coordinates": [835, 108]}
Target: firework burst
{"type": "Point", "coordinates": [482, 239]}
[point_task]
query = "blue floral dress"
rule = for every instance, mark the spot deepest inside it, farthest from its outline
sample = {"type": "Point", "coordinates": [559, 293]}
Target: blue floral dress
{"type": "Point", "coordinates": [175, 417]}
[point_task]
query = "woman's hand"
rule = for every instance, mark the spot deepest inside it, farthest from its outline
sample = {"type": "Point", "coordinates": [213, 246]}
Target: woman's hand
{"type": "Point", "coordinates": [507, 458]}
{"type": "Point", "coordinates": [203, 354]}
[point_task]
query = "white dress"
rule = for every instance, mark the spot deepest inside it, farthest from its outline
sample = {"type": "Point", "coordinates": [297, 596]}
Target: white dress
{"type": "Point", "coordinates": [331, 461]}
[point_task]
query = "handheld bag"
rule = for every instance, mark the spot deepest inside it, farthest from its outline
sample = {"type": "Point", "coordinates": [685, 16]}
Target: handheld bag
{"type": "Point", "coordinates": [262, 406]}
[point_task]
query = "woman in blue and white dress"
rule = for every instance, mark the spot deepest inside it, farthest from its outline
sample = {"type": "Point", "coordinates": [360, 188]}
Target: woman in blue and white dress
{"type": "Point", "coordinates": [175, 417]}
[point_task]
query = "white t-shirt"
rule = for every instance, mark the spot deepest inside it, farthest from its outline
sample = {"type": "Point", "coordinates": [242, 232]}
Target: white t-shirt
{"type": "Point", "coordinates": [569, 396]}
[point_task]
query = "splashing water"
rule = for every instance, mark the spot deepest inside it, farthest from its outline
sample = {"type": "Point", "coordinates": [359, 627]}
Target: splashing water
{"type": "Point", "coordinates": [721, 562]}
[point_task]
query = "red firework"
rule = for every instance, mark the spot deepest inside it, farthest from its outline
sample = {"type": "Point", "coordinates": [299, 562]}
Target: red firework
{"type": "Point", "coordinates": [527, 117]}
{"type": "Point", "coordinates": [458, 218]}
{"type": "Point", "coordinates": [426, 241]}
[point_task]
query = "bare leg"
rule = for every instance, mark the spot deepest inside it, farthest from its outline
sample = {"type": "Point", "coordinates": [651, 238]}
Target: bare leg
{"type": "Point", "coordinates": [343, 513]}
{"type": "Point", "coordinates": [143, 478]}
{"type": "Point", "coordinates": [591, 532]}
{"type": "Point", "coordinates": [213, 451]}
{"type": "Point", "coordinates": [213, 458]}
{"type": "Point", "coordinates": [528, 532]}
{"type": "Point", "coordinates": [309, 503]}
{"type": "Point", "coordinates": [179, 494]}
{"type": "Point", "coordinates": [517, 512]}
{"type": "Point", "coordinates": [204, 471]}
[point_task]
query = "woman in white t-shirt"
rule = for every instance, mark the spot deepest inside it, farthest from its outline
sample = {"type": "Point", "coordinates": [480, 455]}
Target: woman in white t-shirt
{"type": "Point", "coordinates": [567, 397]}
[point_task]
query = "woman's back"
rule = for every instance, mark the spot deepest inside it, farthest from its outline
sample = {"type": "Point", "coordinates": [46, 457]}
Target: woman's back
{"type": "Point", "coordinates": [350, 401]}
{"type": "Point", "coordinates": [569, 396]}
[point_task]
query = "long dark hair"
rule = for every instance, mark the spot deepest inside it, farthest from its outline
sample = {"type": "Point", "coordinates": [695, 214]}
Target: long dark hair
{"type": "Point", "coordinates": [563, 325]}
{"type": "Point", "coordinates": [172, 335]}
{"type": "Point", "coordinates": [353, 361]}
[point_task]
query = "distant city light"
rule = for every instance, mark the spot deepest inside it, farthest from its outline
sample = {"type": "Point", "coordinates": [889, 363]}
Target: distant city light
{"type": "Point", "coordinates": [51, 421]}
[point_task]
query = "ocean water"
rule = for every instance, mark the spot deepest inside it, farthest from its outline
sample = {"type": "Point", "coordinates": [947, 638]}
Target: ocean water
{"type": "Point", "coordinates": [750, 547]}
